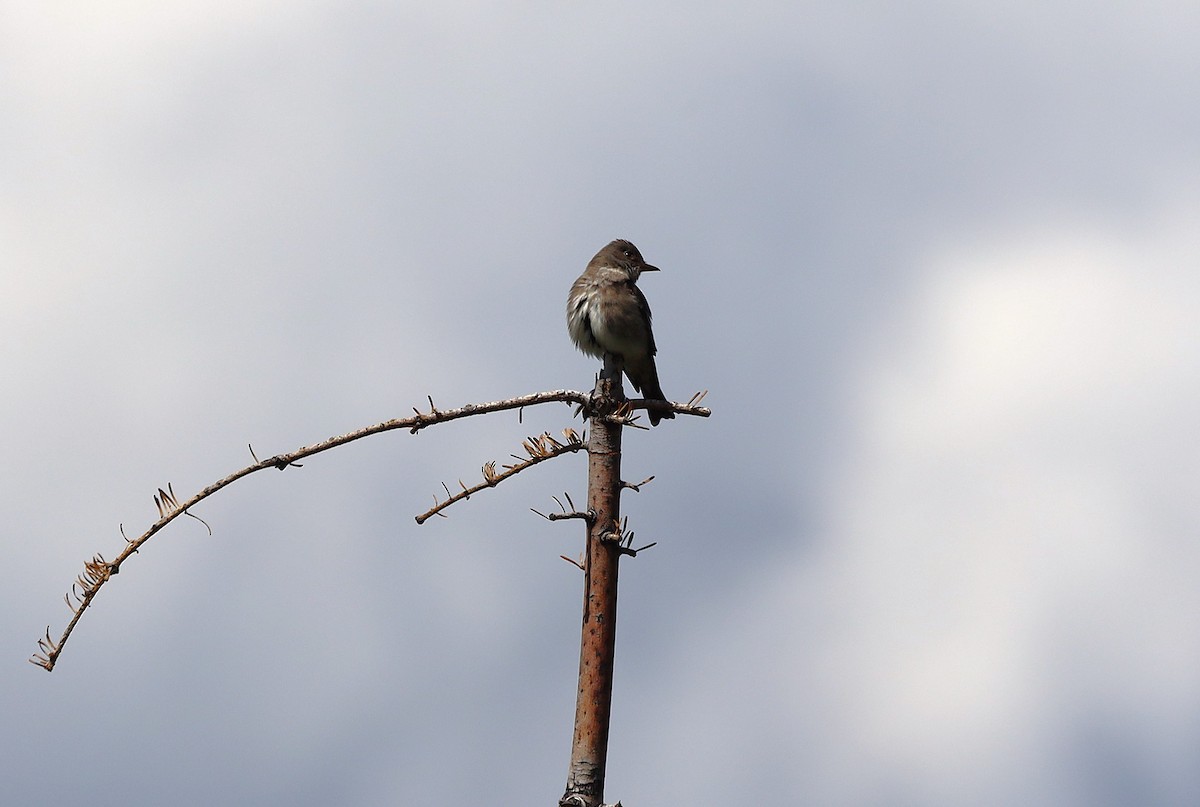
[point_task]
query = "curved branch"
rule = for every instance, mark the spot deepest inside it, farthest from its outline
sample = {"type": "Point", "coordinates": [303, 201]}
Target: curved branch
{"type": "Point", "coordinates": [98, 571]}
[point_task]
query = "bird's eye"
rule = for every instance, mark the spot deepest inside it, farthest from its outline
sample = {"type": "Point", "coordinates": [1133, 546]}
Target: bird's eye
{"type": "Point", "coordinates": [628, 254]}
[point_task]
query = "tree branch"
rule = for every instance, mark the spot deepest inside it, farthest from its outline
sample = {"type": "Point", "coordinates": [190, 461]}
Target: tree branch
{"type": "Point", "coordinates": [540, 449]}
{"type": "Point", "coordinates": [98, 571]}
{"type": "Point", "coordinates": [689, 408]}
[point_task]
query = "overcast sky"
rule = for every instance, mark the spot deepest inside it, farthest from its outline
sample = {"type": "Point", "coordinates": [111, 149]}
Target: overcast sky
{"type": "Point", "coordinates": [937, 267]}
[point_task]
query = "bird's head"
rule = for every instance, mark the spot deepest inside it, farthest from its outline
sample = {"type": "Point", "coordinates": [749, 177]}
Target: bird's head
{"type": "Point", "coordinates": [624, 256]}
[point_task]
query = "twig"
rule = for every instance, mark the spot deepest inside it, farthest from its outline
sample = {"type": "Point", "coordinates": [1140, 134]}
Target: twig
{"type": "Point", "coordinates": [689, 408]}
{"type": "Point", "coordinates": [539, 449]}
{"type": "Point", "coordinates": [588, 516]}
{"type": "Point", "coordinates": [622, 536]}
{"type": "Point", "coordinates": [638, 487]}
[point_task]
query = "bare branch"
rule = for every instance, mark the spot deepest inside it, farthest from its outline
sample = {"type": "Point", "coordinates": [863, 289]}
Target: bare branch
{"type": "Point", "coordinates": [624, 412]}
{"type": "Point", "coordinates": [638, 487]}
{"type": "Point", "coordinates": [98, 571]}
{"type": "Point", "coordinates": [689, 408]}
{"type": "Point", "coordinates": [622, 537]}
{"type": "Point", "coordinates": [588, 516]}
{"type": "Point", "coordinates": [565, 516]}
{"type": "Point", "coordinates": [539, 449]}
{"type": "Point", "coordinates": [578, 563]}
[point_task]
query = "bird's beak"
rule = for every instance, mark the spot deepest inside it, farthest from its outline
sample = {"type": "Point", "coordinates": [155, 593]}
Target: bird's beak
{"type": "Point", "coordinates": [648, 268]}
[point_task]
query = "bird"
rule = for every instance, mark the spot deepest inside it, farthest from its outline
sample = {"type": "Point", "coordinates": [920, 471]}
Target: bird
{"type": "Point", "coordinates": [607, 313]}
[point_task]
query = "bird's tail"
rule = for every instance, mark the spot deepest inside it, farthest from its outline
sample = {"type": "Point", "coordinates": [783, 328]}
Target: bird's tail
{"type": "Point", "coordinates": [644, 378]}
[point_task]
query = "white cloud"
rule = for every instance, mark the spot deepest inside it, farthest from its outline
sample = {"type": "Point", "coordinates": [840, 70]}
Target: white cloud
{"type": "Point", "coordinates": [1008, 556]}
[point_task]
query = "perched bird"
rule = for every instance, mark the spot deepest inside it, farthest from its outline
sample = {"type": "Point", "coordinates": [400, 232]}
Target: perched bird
{"type": "Point", "coordinates": [607, 313]}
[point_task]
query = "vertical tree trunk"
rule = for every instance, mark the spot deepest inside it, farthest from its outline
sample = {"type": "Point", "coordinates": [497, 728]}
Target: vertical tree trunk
{"type": "Point", "coordinates": [589, 749]}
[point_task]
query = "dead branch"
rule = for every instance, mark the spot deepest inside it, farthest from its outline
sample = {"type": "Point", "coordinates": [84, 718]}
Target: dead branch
{"type": "Point", "coordinates": [638, 487]}
{"type": "Point", "coordinates": [565, 513]}
{"type": "Point", "coordinates": [690, 408]}
{"type": "Point", "coordinates": [541, 448]}
{"type": "Point", "coordinates": [622, 412]}
{"type": "Point", "coordinates": [622, 536]}
{"type": "Point", "coordinates": [99, 571]}
{"type": "Point", "coordinates": [577, 563]}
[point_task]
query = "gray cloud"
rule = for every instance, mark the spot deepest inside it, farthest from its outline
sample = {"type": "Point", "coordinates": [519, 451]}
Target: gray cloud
{"type": "Point", "coordinates": [934, 266]}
